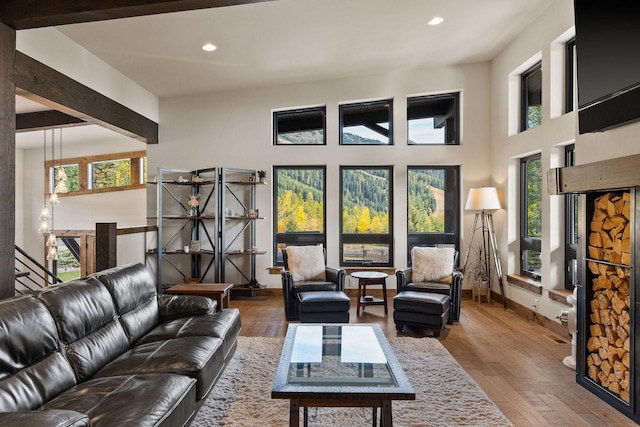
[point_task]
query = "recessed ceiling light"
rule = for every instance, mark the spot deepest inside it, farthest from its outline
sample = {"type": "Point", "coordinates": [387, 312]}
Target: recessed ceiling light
{"type": "Point", "coordinates": [208, 47]}
{"type": "Point", "coordinates": [435, 21]}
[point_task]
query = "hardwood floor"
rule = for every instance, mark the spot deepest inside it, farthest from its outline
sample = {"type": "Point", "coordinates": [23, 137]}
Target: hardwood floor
{"type": "Point", "coordinates": [516, 362]}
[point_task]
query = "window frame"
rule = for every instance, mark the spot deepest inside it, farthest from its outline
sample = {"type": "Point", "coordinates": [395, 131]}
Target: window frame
{"type": "Point", "coordinates": [570, 218]}
{"type": "Point", "coordinates": [569, 77]}
{"type": "Point", "coordinates": [298, 238]}
{"type": "Point", "coordinates": [300, 111]}
{"type": "Point", "coordinates": [351, 238]}
{"type": "Point", "coordinates": [137, 179]}
{"type": "Point", "coordinates": [455, 97]}
{"type": "Point", "coordinates": [527, 243]}
{"type": "Point", "coordinates": [524, 96]}
{"type": "Point", "coordinates": [387, 103]}
{"type": "Point", "coordinates": [452, 211]}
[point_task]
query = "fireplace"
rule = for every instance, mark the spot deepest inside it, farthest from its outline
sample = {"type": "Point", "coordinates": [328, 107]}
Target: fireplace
{"type": "Point", "coordinates": [608, 343]}
{"type": "Point", "coordinates": [605, 362]}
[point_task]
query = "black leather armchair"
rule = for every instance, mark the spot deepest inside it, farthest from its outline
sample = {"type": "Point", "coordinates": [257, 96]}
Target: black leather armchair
{"type": "Point", "coordinates": [334, 281]}
{"type": "Point", "coordinates": [404, 282]}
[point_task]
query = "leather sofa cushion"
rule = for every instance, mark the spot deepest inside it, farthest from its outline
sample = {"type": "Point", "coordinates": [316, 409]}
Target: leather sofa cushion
{"type": "Point", "coordinates": [201, 358]}
{"type": "Point", "coordinates": [32, 369]}
{"type": "Point", "coordinates": [177, 306]}
{"type": "Point", "coordinates": [49, 418]}
{"type": "Point", "coordinates": [34, 385]}
{"type": "Point", "coordinates": [132, 400]}
{"type": "Point", "coordinates": [223, 324]}
{"type": "Point", "coordinates": [87, 324]}
{"type": "Point", "coordinates": [134, 292]}
{"type": "Point", "coordinates": [21, 343]}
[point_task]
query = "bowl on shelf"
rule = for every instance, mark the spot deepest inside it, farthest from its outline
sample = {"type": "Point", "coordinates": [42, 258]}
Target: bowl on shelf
{"type": "Point", "coordinates": [191, 280]}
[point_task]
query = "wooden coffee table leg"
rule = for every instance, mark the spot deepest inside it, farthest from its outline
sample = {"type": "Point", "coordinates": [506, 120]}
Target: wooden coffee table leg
{"type": "Point", "coordinates": [386, 418]}
{"type": "Point", "coordinates": [294, 413]}
{"type": "Point", "coordinates": [384, 295]}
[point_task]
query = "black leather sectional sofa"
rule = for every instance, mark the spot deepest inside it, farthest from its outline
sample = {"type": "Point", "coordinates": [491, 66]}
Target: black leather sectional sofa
{"type": "Point", "coordinates": [106, 350]}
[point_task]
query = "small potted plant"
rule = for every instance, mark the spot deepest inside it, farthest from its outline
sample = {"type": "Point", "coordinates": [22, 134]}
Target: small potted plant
{"type": "Point", "coordinates": [478, 270]}
{"type": "Point", "coordinates": [262, 175]}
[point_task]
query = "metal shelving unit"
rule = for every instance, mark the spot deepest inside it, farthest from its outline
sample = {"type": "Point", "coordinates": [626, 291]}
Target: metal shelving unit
{"type": "Point", "coordinates": [180, 224]}
{"type": "Point", "coordinates": [238, 216]}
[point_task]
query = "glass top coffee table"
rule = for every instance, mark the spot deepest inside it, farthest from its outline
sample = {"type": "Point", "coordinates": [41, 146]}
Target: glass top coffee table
{"type": "Point", "coordinates": [339, 365]}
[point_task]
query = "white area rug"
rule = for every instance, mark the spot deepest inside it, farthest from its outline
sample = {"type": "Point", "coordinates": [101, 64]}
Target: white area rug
{"type": "Point", "coordinates": [445, 394]}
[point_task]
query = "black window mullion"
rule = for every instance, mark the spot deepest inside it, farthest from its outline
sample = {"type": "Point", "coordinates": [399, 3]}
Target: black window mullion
{"type": "Point", "coordinates": [571, 244]}
{"type": "Point", "coordinates": [569, 57]}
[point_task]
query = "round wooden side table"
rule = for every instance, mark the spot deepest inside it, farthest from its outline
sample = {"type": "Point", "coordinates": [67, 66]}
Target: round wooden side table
{"type": "Point", "coordinates": [368, 278]}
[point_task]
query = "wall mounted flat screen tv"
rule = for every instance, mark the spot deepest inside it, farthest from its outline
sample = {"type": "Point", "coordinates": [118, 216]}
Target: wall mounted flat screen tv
{"type": "Point", "coordinates": [608, 63]}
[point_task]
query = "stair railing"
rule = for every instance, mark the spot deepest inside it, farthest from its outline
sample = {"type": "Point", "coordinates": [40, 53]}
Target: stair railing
{"type": "Point", "coordinates": [33, 275]}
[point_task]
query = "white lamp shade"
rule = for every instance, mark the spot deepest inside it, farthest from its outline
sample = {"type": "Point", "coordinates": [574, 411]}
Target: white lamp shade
{"type": "Point", "coordinates": [483, 199]}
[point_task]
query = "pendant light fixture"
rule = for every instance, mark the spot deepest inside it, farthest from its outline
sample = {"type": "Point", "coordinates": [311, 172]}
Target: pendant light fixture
{"type": "Point", "coordinates": [61, 176]}
{"type": "Point", "coordinates": [52, 240]}
{"type": "Point", "coordinates": [53, 197]}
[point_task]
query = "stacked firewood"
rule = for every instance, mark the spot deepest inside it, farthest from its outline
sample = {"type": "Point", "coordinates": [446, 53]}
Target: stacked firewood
{"type": "Point", "coordinates": [609, 333]}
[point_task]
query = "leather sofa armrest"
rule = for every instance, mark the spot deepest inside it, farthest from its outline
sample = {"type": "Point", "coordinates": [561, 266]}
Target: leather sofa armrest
{"type": "Point", "coordinates": [176, 306]}
{"type": "Point", "coordinates": [336, 275]}
{"type": "Point", "coordinates": [457, 277]}
{"type": "Point", "coordinates": [287, 281]}
{"type": "Point", "coordinates": [402, 278]}
{"type": "Point", "coordinates": [47, 417]}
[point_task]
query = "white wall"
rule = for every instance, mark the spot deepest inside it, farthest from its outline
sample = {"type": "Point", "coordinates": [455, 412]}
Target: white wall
{"type": "Point", "coordinates": [556, 130]}
{"type": "Point", "coordinates": [233, 129]}
{"type": "Point", "coordinates": [56, 50]}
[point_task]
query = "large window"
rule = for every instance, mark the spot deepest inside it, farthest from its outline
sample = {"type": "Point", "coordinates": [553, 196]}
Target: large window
{"type": "Point", "coordinates": [571, 229]}
{"type": "Point", "coordinates": [300, 127]}
{"type": "Point", "coordinates": [299, 207]}
{"type": "Point", "coordinates": [97, 174]}
{"type": "Point", "coordinates": [433, 119]}
{"type": "Point", "coordinates": [531, 215]}
{"type": "Point", "coordinates": [531, 98]}
{"type": "Point", "coordinates": [433, 211]}
{"type": "Point", "coordinates": [366, 202]}
{"type": "Point", "coordinates": [367, 123]}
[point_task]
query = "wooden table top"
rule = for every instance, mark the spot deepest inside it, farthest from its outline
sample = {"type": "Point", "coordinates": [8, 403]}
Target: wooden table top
{"type": "Point", "coordinates": [195, 288]}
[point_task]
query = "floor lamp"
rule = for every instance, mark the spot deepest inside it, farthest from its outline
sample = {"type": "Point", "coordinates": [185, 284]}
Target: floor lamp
{"type": "Point", "coordinates": [484, 200]}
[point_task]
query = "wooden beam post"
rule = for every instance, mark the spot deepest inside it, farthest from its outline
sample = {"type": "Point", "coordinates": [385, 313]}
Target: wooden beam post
{"type": "Point", "coordinates": [106, 245]}
{"type": "Point", "coordinates": [7, 162]}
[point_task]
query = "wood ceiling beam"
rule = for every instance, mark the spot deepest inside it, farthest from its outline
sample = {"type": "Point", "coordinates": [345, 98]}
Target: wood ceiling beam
{"type": "Point", "coordinates": [25, 14]}
{"type": "Point", "coordinates": [38, 82]}
{"type": "Point", "coordinates": [49, 119]}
